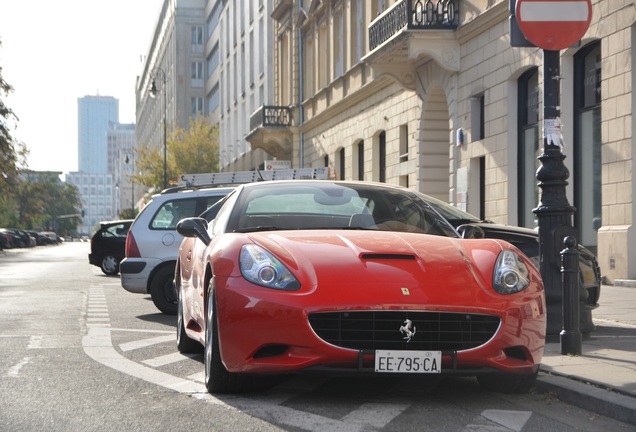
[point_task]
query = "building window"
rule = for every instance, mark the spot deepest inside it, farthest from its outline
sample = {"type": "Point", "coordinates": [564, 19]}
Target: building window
{"type": "Point", "coordinates": [358, 31]}
{"type": "Point", "coordinates": [213, 99]}
{"type": "Point", "coordinates": [323, 49]}
{"type": "Point", "coordinates": [197, 74]}
{"type": "Point", "coordinates": [404, 143]}
{"type": "Point", "coordinates": [477, 117]}
{"type": "Point", "coordinates": [197, 106]}
{"type": "Point", "coordinates": [338, 42]}
{"type": "Point", "coordinates": [341, 164]}
{"type": "Point", "coordinates": [213, 19]}
{"type": "Point", "coordinates": [528, 146]}
{"type": "Point", "coordinates": [380, 158]}
{"type": "Point", "coordinates": [308, 67]}
{"type": "Point", "coordinates": [361, 160]}
{"type": "Point", "coordinates": [197, 39]}
{"type": "Point", "coordinates": [587, 143]}
{"type": "Point", "coordinates": [213, 60]}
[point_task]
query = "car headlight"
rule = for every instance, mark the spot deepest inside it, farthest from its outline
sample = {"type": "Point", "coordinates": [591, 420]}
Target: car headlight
{"type": "Point", "coordinates": [511, 274]}
{"type": "Point", "coordinates": [262, 268]}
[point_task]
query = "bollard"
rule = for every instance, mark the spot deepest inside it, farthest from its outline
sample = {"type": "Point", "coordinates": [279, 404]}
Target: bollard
{"type": "Point", "coordinates": [571, 337]}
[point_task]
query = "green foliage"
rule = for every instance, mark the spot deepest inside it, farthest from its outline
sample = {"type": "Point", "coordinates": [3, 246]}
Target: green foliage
{"type": "Point", "coordinates": [41, 201]}
{"type": "Point", "coordinates": [127, 213]}
{"type": "Point", "coordinates": [12, 153]}
{"type": "Point", "coordinates": [191, 151]}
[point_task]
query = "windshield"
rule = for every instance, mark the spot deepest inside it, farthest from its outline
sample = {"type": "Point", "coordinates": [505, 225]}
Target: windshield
{"type": "Point", "coordinates": [450, 213]}
{"type": "Point", "coordinates": [329, 205]}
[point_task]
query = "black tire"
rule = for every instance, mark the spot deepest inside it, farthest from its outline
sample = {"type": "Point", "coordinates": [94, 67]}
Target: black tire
{"type": "Point", "coordinates": [162, 290]}
{"type": "Point", "coordinates": [508, 383]}
{"type": "Point", "coordinates": [185, 345]}
{"type": "Point", "coordinates": [110, 264]}
{"type": "Point", "coordinates": [217, 377]}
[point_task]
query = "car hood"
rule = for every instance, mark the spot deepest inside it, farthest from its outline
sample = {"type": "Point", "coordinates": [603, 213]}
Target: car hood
{"type": "Point", "coordinates": [372, 263]}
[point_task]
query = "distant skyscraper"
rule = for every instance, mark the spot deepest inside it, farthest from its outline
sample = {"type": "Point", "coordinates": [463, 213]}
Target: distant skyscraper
{"type": "Point", "coordinates": [95, 114]}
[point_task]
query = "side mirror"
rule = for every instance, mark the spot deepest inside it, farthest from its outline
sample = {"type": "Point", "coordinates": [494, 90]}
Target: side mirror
{"type": "Point", "coordinates": [468, 231]}
{"type": "Point", "coordinates": [194, 227]}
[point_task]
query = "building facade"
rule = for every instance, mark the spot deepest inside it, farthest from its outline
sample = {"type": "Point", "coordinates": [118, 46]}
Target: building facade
{"type": "Point", "coordinates": [432, 96]}
{"type": "Point", "coordinates": [97, 191]}
{"type": "Point", "coordinates": [95, 114]}
{"type": "Point", "coordinates": [121, 163]}
{"type": "Point", "coordinates": [208, 58]}
{"type": "Point", "coordinates": [243, 41]}
{"type": "Point", "coordinates": [97, 117]}
{"type": "Point", "coordinates": [174, 68]}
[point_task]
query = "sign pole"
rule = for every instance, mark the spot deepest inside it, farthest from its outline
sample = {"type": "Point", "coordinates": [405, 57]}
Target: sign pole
{"type": "Point", "coordinates": [552, 26]}
{"type": "Point", "coordinates": [554, 212]}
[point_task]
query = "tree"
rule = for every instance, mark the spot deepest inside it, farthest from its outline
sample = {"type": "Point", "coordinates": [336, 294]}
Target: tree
{"type": "Point", "coordinates": [191, 151]}
{"type": "Point", "coordinates": [43, 201]}
{"type": "Point", "coordinates": [12, 153]}
{"type": "Point", "coordinates": [127, 213]}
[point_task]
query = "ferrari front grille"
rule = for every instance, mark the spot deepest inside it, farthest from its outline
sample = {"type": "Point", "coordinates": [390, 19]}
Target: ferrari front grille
{"type": "Point", "coordinates": [404, 330]}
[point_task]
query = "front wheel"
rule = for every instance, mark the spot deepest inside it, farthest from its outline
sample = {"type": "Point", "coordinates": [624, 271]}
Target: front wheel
{"type": "Point", "coordinates": [217, 377]}
{"type": "Point", "coordinates": [110, 265]}
{"type": "Point", "coordinates": [162, 291]}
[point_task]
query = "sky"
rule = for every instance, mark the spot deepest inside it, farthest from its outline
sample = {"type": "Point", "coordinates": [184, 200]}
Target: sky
{"type": "Point", "coordinates": [54, 52]}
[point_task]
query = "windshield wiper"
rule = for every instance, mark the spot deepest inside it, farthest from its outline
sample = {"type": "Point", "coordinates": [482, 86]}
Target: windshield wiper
{"type": "Point", "coordinates": [258, 228]}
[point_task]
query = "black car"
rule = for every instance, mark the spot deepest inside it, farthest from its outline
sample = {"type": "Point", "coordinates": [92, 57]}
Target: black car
{"type": "Point", "coordinates": [527, 240]}
{"type": "Point", "coordinates": [6, 238]}
{"type": "Point", "coordinates": [108, 245]}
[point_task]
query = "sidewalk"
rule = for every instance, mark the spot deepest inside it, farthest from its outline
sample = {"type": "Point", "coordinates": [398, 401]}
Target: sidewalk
{"type": "Point", "coordinates": [603, 378]}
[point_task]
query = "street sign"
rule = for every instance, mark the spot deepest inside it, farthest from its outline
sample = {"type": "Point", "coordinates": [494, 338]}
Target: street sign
{"type": "Point", "coordinates": [554, 25]}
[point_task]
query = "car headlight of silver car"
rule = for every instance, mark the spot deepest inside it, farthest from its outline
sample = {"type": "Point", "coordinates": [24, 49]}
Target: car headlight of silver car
{"type": "Point", "coordinates": [511, 274]}
{"type": "Point", "coordinates": [262, 268]}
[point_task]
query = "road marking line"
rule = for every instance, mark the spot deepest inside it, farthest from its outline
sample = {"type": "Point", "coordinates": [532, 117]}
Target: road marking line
{"type": "Point", "coordinates": [97, 344]}
{"type": "Point", "coordinates": [168, 359]}
{"type": "Point", "coordinates": [514, 420]}
{"type": "Point", "coordinates": [35, 342]}
{"type": "Point", "coordinates": [143, 331]}
{"type": "Point", "coordinates": [143, 343]}
{"type": "Point", "coordinates": [375, 414]}
{"type": "Point", "coordinates": [198, 377]}
{"type": "Point", "coordinates": [14, 371]}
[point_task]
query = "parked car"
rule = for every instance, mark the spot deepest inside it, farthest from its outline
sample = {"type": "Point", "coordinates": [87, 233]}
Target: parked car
{"type": "Point", "coordinates": [53, 238]}
{"type": "Point", "coordinates": [6, 238]}
{"type": "Point", "coordinates": [152, 243]}
{"type": "Point", "coordinates": [108, 245]}
{"type": "Point", "coordinates": [295, 276]}
{"type": "Point", "coordinates": [527, 240]}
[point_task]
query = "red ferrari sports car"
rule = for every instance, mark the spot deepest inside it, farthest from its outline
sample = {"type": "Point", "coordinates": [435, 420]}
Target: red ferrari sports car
{"type": "Point", "coordinates": [314, 275]}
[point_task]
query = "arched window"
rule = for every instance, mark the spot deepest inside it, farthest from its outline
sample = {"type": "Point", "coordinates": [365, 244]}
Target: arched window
{"type": "Point", "coordinates": [587, 143]}
{"type": "Point", "coordinates": [529, 149]}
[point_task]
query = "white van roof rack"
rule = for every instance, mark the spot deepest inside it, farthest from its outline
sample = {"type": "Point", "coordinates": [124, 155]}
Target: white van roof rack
{"type": "Point", "coordinates": [239, 177]}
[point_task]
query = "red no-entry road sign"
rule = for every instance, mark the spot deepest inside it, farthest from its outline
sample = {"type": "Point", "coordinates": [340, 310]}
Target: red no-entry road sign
{"type": "Point", "coordinates": [554, 24]}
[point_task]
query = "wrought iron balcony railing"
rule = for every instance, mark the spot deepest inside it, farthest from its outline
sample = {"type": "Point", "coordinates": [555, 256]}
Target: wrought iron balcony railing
{"type": "Point", "coordinates": [414, 15]}
{"type": "Point", "coordinates": [271, 116]}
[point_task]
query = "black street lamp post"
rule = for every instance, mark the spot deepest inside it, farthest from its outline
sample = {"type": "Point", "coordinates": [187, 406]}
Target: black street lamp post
{"type": "Point", "coordinates": [153, 93]}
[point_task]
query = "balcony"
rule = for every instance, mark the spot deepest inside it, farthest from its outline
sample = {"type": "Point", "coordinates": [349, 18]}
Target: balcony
{"type": "Point", "coordinates": [412, 32]}
{"type": "Point", "coordinates": [270, 131]}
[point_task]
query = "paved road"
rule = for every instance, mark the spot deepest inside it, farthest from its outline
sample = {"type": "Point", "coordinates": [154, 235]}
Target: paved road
{"type": "Point", "coordinates": [82, 354]}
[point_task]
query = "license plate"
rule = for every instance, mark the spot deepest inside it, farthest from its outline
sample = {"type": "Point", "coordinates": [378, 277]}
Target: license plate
{"type": "Point", "coordinates": [408, 361]}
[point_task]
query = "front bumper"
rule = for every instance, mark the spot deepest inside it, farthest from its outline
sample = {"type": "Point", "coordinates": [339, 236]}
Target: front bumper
{"type": "Point", "coordinates": [264, 331]}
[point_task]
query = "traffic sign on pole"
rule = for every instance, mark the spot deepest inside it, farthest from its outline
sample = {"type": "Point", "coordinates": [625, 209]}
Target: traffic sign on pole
{"type": "Point", "coordinates": [553, 24]}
